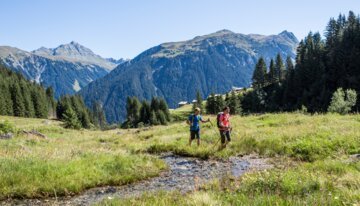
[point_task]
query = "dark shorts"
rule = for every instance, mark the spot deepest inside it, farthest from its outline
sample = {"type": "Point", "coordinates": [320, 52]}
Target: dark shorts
{"type": "Point", "coordinates": [195, 134]}
{"type": "Point", "coordinates": [225, 135]}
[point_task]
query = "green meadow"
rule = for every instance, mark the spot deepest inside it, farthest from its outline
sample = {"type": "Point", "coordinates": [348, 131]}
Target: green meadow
{"type": "Point", "coordinates": [312, 156]}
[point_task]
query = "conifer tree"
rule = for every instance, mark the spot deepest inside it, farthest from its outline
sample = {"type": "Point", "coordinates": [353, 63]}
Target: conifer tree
{"type": "Point", "coordinates": [272, 76]}
{"type": "Point", "coordinates": [234, 103]}
{"type": "Point", "coordinates": [153, 118]}
{"type": "Point", "coordinates": [145, 112]}
{"type": "Point", "coordinates": [259, 76]}
{"type": "Point", "coordinates": [98, 115]}
{"type": "Point", "coordinates": [219, 103]}
{"type": "Point", "coordinates": [199, 101]}
{"type": "Point", "coordinates": [70, 119]}
{"type": "Point", "coordinates": [18, 101]}
{"type": "Point", "coordinates": [164, 107]}
{"type": "Point", "coordinates": [279, 69]}
{"type": "Point", "coordinates": [210, 104]}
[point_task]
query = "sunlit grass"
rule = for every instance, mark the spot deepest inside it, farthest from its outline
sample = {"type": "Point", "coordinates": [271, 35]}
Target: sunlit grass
{"type": "Point", "coordinates": [319, 144]}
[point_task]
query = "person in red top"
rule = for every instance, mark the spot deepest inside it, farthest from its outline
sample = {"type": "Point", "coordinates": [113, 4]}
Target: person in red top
{"type": "Point", "coordinates": [225, 126]}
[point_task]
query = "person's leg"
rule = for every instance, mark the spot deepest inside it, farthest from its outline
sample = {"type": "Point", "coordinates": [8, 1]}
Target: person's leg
{"type": "Point", "coordinates": [222, 136]}
{"type": "Point", "coordinates": [192, 136]}
{"type": "Point", "coordinates": [228, 139]}
{"type": "Point", "coordinates": [198, 137]}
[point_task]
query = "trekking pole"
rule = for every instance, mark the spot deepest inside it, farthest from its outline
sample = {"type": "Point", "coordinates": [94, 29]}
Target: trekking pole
{"type": "Point", "coordinates": [215, 135]}
{"type": "Point", "coordinates": [212, 125]}
{"type": "Point", "coordinates": [216, 143]}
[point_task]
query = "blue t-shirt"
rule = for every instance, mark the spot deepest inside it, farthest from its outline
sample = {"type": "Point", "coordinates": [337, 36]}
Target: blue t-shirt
{"type": "Point", "coordinates": [194, 120]}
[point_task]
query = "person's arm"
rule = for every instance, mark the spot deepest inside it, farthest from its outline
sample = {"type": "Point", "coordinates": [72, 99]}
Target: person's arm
{"type": "Point", "coordinates": [204, 121]}
{"type": "Point", "coordinates": [229, 123]}
{"type": "Point", "coordinates": [189, 121]}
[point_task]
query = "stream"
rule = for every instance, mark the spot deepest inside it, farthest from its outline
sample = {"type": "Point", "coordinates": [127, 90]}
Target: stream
{"type": "Point", "coordinates": [185, 174]}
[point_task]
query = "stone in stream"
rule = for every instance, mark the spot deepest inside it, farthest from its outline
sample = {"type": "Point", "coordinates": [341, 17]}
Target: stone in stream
{"type": "Point", "coordinates": [7, 136]}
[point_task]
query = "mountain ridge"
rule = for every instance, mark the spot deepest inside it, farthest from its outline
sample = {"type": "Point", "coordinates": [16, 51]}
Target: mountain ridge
{"type": "Point", "coordinates": [175, 70]}
{"type": "Point", "coordinates": [67, 68]}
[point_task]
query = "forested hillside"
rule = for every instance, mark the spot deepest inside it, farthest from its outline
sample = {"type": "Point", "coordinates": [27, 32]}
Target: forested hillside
{"type": "Point", "coordinates": [322, 66]}
{"type": "Point", "coordinates": [22, 98]}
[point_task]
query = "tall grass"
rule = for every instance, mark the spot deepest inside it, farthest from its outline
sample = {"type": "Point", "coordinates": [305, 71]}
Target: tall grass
{"type": "Point", "coordinates": [319, 183]}
{"type": "Point", "coordinates": [70, 161]}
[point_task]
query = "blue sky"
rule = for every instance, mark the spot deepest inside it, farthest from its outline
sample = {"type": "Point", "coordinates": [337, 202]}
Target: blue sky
{"type": "Point", "coordinates": [119, 28]}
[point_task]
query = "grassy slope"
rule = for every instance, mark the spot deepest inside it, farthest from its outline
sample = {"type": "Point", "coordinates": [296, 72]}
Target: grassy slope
{"type": "Point", "coordinates": [68, 162]}
{"type": "Point", "coordinates": [319, 144]}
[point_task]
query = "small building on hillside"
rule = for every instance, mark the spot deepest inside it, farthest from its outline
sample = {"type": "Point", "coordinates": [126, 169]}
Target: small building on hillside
{"type": "Point", "coordinates": [182, 103]}
{"type": "Point", "coordinates": [236, 89]}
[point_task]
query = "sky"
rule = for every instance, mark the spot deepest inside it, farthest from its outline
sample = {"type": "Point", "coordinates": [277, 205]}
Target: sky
{"type": "Point", "coordinates": [125, 28]}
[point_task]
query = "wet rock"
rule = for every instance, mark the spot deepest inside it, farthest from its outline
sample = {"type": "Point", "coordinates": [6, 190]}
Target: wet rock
{"type": "Point", "coordinates": [110, 190]}
{"type": "Point", "coordinates": [36, 133]}
{"type": "Point", "coordinates": [7, 136]}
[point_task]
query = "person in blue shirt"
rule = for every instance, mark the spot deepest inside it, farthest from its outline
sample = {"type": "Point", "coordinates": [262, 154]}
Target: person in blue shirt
{"type": "Point", "coordinates": [194, 122]}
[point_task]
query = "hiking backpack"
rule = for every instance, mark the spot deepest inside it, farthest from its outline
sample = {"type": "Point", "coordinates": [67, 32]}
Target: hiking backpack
{"type": "Point", "coordinates": [218, 119]}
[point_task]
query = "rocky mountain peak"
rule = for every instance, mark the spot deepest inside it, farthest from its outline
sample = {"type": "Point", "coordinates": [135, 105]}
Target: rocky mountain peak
{"type": "Point", "coordinates": [72, 49]}
{"type": "Point", "coordinates": [289, 35]}
{"type": "Point", "coordinates": [75, 52]}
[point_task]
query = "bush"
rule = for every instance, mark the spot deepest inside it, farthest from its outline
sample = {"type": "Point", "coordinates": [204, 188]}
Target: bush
{"type": "Point", "coordinates": [6, 127]}
{"type": "Point", "coordinates": [340, 104]}
{"type": "Point", "coordinates": [71, 120]}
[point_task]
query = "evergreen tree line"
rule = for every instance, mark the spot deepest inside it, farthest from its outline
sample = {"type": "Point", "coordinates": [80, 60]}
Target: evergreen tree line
{"type": "Point", "coordinates": [75, 114]}
{"type": "Point", "coordinates": [216, 103]}
{"type": "Point", "coordinates": [146, 113]}
{"type": "Point", "coordinates": [22, 98]}
{"type": "Point", "coordinates": [322, 66]}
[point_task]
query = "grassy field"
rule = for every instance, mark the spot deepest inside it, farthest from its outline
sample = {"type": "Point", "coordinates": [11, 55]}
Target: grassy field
{"type": "Point", "coordinates": [312, 151]}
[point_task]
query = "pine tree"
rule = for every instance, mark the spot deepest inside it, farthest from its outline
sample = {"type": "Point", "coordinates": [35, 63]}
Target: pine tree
{"type": "Point", "coordinates": [153, 118]}
{"type": "Point", "coordinates": [2, 102]}
{"type": "Point", "coordinates": [51, 102]}
{"type": "Point", "coordinates": [164, 108]}
{"type": "Point", "coordinates": [29, 106]}
{"type": "Point", "coordinates": [161, 117]}
{"type": "Point", "coordinates": [199, 101]}
{"type": "Point", "coordinates": [272, 76]}
{"type": "Point", "coordinates": [155, 104]}
{"type": "Point", "coordinates": [279, 69]}
{"type": "Point", "coordinates": [259, 76]}
{"type": "Point", "coordinates": [219, 103]}
{"type": "Point", "coordinates": [18, 101]}
{"type": "Point", "coordinates": [133, 109]}
{"type": "Point", "coordinates": [234, 103]}
{"type": "Point", "coordinates": [70, 119]}
{"type": "Point", "coordinates": [98, 115]}
{"type": "Point", "coordinates": [145, 113]}
{"type": "Point", "coordinates": [40, 104]}
{"type": "Point", "coordinates": [210, 104]}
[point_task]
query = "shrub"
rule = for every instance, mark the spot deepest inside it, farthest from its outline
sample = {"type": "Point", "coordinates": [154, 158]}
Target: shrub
{"type": "Point", "coordinates": [341, 103]}
{"type": "Point", "coordinates": [71, 120]}
{"type": "Point", "coordinates": [6, 127]}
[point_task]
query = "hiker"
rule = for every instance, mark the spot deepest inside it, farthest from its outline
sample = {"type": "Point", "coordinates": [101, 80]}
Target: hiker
{"type": "Point", "coordinates": [223, 119]}
{"type": "Point", "coordinates": [193, 121]}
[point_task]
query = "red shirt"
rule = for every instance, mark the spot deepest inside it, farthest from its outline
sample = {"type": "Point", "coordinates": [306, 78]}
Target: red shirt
{"type": "Point", "coordinates": [224, 120]}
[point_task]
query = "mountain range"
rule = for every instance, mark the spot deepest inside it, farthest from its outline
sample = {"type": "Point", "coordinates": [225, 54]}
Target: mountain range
{"type": "Point", "coordinates": [67, 68]}
{"type": "Point", "coordinates": [176, 70]}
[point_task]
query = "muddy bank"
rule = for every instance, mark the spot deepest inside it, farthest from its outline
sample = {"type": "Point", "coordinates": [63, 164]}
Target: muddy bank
{"type": "Point", "coordinates": [184, 174]}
